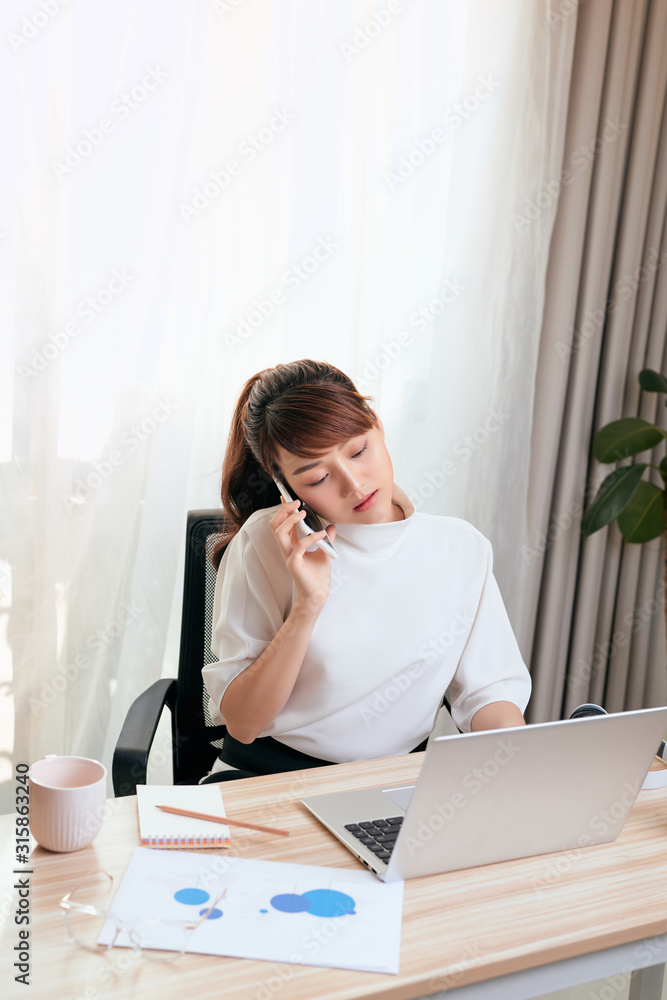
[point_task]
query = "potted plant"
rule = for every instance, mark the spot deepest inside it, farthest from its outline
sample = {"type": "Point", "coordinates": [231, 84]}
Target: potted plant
{"type": "Point", "coordinates": [639, 507]}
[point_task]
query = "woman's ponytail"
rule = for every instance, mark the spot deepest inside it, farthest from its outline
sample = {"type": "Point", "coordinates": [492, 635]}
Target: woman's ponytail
{"type": "Point", "coordinates": [245, 486]}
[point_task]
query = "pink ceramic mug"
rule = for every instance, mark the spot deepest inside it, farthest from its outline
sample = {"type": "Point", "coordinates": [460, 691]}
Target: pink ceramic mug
{"type": "Point", "coordinates": [67, 800]}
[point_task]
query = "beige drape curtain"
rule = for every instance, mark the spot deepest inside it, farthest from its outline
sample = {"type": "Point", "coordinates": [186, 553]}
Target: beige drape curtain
{"type": "Point", "coordinates": [594, 625]}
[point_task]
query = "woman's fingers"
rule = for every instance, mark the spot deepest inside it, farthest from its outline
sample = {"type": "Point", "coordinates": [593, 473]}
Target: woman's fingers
{"type": "Point", "coordinates": [283, 524]}
{"type": "Point", "coordinates": [308, 540]}
{"type": "Point", "coordinates": [286, 511]}
{"type": "Point", "coordinates": [304, 543]}
{"type": "Point", "coordinates": [311, 574]}
{"type": "Point", "coordinates": [286, 508]}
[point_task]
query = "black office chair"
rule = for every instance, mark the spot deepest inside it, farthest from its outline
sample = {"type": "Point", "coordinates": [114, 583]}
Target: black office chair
{"type": "Point", "coordinates": [196, 741]}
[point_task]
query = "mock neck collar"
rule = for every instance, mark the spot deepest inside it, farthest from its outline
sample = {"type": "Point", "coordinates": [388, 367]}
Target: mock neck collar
{"type": "Point", "coordinates": [379, 539]}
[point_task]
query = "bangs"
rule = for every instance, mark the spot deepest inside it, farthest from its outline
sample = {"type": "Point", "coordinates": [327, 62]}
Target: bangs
{"type": "Point", "coordinates": [309, 420]}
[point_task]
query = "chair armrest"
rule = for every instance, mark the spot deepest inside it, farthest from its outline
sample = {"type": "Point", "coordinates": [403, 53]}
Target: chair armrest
{"type": "Point", "coordinates": [130, 759]}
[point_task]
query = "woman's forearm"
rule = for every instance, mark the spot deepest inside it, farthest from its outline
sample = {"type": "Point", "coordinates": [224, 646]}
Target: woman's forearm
{"type": "Point", "coordinates": [260, 692]}
{"type": "Point", "coordinates": [497, 715]}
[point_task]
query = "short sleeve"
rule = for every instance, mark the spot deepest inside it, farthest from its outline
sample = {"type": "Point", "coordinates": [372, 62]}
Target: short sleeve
{"type": "Point", "coordinates": [246, 616]}
{"type": "Point", "coordinates": [491, 667]}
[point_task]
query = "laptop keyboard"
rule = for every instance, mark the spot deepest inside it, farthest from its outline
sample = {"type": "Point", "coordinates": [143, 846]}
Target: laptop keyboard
{"type": "Point", "coordinates": [378, 835]}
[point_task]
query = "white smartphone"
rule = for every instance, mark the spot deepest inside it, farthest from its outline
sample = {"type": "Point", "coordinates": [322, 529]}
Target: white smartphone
{"type": "Point", "coordinates": [310, 523]}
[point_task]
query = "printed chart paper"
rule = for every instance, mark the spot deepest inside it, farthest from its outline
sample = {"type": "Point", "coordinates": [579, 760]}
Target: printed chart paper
{"type": "Point", "coordinates": [273, 911]}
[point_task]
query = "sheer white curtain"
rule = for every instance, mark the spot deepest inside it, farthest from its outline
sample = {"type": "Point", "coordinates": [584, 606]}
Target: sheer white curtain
{"type": "Point", "coordinates": [196, 191]}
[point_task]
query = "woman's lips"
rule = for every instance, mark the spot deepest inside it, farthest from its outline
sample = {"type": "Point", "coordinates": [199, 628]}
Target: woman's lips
{"type": "Point", "coordinates": [367, 502]}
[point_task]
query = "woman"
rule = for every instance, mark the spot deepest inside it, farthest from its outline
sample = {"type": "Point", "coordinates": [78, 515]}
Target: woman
{"type": "Point", "coordinates": [324, 661]}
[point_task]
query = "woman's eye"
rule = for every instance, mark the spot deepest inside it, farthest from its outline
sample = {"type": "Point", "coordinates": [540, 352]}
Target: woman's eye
{"type": "Point", "coordinates": [354, 456]}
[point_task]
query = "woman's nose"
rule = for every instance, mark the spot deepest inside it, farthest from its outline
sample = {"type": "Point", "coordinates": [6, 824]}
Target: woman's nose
{"type": "Point", "coordinates": [351, 484]}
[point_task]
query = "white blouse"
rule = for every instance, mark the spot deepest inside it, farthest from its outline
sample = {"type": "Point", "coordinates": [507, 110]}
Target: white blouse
{"type": "Point", "coordinates": [413, 609]}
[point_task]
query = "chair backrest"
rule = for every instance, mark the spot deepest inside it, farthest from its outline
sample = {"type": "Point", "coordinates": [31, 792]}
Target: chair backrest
{"type": "Point", "coordinates": [196, 739]}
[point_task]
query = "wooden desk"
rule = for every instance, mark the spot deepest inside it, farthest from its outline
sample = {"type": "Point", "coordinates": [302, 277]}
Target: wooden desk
{"type": "Point", "coordinates": [459, 928]}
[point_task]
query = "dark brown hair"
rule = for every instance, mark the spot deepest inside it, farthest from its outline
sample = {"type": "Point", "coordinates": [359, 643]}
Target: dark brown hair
{"type": "Point", "coordinates": [306, 407]}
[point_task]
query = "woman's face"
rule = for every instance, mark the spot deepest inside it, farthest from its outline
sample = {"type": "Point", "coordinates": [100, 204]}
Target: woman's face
{"type": "Point", "coordinates": [358, 471]}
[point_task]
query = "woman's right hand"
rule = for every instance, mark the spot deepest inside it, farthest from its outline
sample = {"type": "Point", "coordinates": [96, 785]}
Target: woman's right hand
{"type": "Point", "coordinates": [311, 571]}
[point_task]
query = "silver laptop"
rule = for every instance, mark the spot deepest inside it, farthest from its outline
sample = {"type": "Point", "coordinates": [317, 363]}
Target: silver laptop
{"type": "Point", "coordinates": [500, 794]}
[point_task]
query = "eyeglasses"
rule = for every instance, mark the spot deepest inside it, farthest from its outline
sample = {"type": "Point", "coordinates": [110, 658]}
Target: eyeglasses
{"type": "Point", "coordinates": [158, 939]}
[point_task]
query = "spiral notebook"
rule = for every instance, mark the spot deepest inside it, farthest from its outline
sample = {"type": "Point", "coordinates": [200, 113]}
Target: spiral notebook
{"type": "Point", "coordinates": [161, 829]}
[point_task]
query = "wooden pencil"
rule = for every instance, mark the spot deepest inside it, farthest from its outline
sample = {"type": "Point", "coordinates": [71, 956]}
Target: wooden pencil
{"type": "Point", "coordinates": [224, 819]}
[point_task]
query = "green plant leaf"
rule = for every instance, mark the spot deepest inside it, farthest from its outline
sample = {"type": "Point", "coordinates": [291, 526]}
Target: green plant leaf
{"type": "Point", "coordinates": [612, 497]}
{"type": "Point", "coordinates": [622, 438]}
{"type": "Point", "coordinates": [643, 518]}
{"type": "Point", "coordinates": [651, 381]}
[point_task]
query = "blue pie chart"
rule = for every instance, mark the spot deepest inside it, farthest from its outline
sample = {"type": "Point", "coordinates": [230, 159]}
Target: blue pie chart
{"type": "Point", "coordinates": [318, 902]}
{"type": "Point", "coordinates": [289, 902]}
{"type": "Point", "coordinates": [192, 897]}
